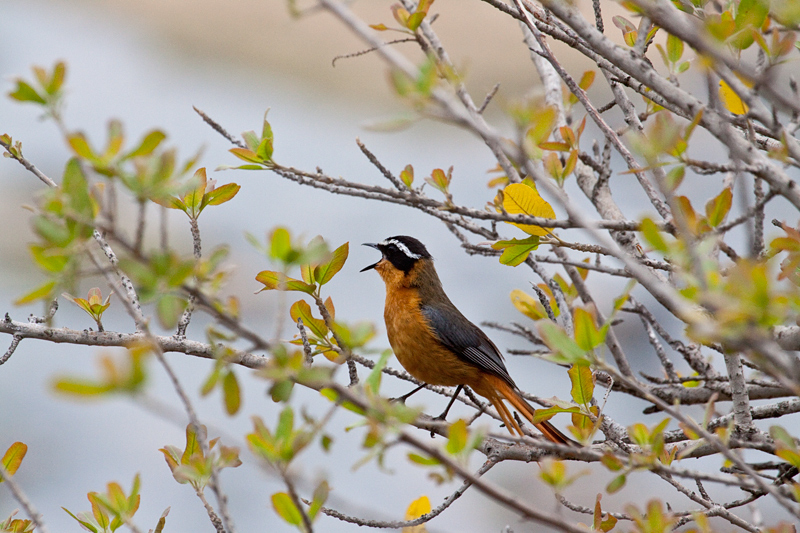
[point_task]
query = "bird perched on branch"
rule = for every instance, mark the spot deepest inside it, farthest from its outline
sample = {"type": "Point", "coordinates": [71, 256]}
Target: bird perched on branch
{"type": "Point", "coordinates": [435, 343]}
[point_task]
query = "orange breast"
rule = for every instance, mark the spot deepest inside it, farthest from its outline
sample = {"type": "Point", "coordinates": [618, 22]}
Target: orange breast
{"type": "Point", "coordinates": [416, 346]}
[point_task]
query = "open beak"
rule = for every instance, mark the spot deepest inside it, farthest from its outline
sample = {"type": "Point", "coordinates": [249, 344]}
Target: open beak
{"type": "Point", "coordinates": [371, 245]}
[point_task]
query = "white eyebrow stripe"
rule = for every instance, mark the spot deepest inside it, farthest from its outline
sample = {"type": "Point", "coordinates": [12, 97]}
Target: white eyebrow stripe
{"type": "Point", "coordinates": [402, 247]}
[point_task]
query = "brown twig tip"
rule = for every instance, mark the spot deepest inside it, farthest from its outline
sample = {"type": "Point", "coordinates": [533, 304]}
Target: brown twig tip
{"type": "Point", "coordinates": [370, 50]}
{"type": "Point", "coordinates": [218, 128]}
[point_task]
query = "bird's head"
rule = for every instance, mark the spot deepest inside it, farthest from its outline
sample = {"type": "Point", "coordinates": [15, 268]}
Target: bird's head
{"type": "Point", "coordinates": [401, 256]}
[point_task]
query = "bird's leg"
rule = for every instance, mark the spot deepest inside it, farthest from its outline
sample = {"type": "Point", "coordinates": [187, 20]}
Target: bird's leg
{"type": "Point", "coordinates": [402, 399]}
{"type": "Point", "coordinates": [443, 416]}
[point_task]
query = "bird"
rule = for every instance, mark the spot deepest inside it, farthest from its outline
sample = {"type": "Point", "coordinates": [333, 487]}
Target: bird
{"type": "Point", "coordinates": [437, 344]}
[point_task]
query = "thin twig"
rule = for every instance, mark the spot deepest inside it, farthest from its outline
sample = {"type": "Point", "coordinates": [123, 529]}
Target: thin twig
{"type": "Point", "coordinates": [197, 247]}
{"type": "Point", "coordinates": [14, 343]}
{"type": "Point", "coordinates": [219, 129]}
{"type": "Point", "coordinates": [386, 172]}
{"type": "Point", "coordinates": [309, 360]}
{"type": "Point", "coordinates": [371, 49]}
{"type": "Point", "coordinates": [23, 500]}
{"type": "Point", "coordinates": [488, 98]}
{"type": "Point", "coordinates": [398, 524]}
{"type": "Point", "coordinates": [16, 154]}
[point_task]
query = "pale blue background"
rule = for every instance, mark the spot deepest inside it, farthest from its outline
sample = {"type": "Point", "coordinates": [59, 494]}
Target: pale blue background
{"type": "Point", "coordinates": [147, 65]}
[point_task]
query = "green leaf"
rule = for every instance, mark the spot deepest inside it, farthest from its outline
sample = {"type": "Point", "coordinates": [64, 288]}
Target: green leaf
{"type": "Point", "coordinates": [193, 199]}
{"type": "Point", "coordinates": [148, 145]}
{"type": "Point", "coordinates": [612, 462]}
{"type": "Point", "coordinates": [116, 138]}
{"type": "Point", "coordinates": [81, 387]}
{"type": "Point", "coordinates": [168, 309]}
{"type": "Point", "coordinates": [281, 391]}
{"type": "Point", "coordinates": [675, 177]}
{"type": "Point", "coordinates": [674, 48]}
{"type": "Point", "coordinates": [587, 335]}
{"type": "Point", "coordinates": [415, 20]}
{"type": "Point", "coordinates": [280, 244]}
{"type": "Point", "coordinates": [80, 145]}
{"type": "Point", "coordinates": [516, 253]}
{"type": "Point", "coordinates": [192, 444]}
{"type": "Point", "coordinates": [325, 272]}
{"type": "Point", "coordinates": [653, 235]}
{"type": "Point", "coordinates": [231, 393]}
{"type": "Point", "coordinates": [57, 79]}
{"type": "Point", "coordinates": [266, 128]}
{"type": "Point", "coordinates": [333, 396]}
{"type": "Point", "coordinates": [639, 433]}
{"type": "Point", "coordinates": [554, 473]}
{"type": "Point", "coordinates": [286, 509]}
{"type": "Point", "coordinates": [565, 350]}
{"type": "Point", "coordinates": [556, 146]}
{"type": "Point", "coordinates": [97, 510]}
{"type": "Point", "coordinates": [285, 424]}
{"type": "Point", "coordinates": [222, 194]}
{"type": "Point", "coordinates": [540, 415]}
{"type": "Point", "coordinates": [53, 232]}
{"type": "Point", "coordinates": [13, 458]}
{"type": "Point", "coordinates": [457, 437]}
{"type": "Point", "coordinates": [251, 140]}
{"type": "Point", "coordinates": [372, 384]}
{"type": "Point", "coordinates": [541, 123]}
{"type": "Point", "coordinates": [307, 273]}
{"type": "Point", "coordinates": [50, 259]}
{"type": "Point", "coordinates": [622, 299]}
{"type": "Point", "coordinates": [424, 461]}
{"type": "Point", "coordinates": [718, 207]}
{"type": "Point", "coordinates": [276, 280]}
{"type": "Point", "coordinates": [301, 309]}
{"type": "Point", "coordinates": [580, 374]}
{"type": "Point", "coordinates": [41, 292]}
{"type": "Point", "coordinates": [246, 155]}
{"type": "Point", "coordinates": [616, 484]}
{"type": "Point", "coordinates": [782, 437]}
{"type": "Point", "coordinates": [264, 150]}
{"type": "Point", "coordinates": [76, 190]}
{"type": "Point", "coordinates": [750, 16]}
{"type": "Point", "coordinates": [25, 93]}
{"type": "Point", "coordinates": [407, 175]}
{"type": "Point", "coordinates": [88, 525]}
{"type": "Point", "coordinates": [319, 498]}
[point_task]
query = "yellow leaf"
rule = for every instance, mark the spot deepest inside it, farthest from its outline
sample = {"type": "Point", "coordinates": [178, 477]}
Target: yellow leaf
{"type": "Point", "coordinates": [16, 453]}
{"type": "Point", "coordinates": [731, 100]}
{"type": "Point", "coordinates": [527, 305]}
{"type": "Point", "coordinates": [418, 507]}
{"type": "Point", "coordinates": [520, 198]}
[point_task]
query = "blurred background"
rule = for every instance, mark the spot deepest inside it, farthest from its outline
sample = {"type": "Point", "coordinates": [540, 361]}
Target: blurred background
{"type": "Point", "coordinates": [147, 63]}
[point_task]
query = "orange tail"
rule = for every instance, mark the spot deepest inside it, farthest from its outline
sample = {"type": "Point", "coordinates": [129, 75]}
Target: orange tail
{"type": "Point", "coordinates": [495, 390]}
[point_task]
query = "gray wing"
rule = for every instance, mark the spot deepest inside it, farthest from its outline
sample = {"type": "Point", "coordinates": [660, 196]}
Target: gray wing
{"type": "Point", "coordinates": [466, 340]}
